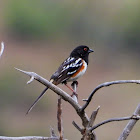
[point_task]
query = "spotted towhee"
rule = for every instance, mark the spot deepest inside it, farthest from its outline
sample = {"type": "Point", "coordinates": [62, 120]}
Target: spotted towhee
{"type": "Point", "coordinates": [70, 70]}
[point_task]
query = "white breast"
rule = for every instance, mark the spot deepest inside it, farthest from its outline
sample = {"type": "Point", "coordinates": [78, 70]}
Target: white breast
{"type": "Point", "coordinates": [80, 73]}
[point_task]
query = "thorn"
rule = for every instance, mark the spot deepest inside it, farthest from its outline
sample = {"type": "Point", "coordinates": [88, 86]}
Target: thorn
{"type": "Point", "coordinates": [31, 74]}
{"type": "Point", "coordinates": [85, 100]}
{"type": "Point", "coordinates": [20, 70]}
{"type": "Point", "coordinates": [31, 80]}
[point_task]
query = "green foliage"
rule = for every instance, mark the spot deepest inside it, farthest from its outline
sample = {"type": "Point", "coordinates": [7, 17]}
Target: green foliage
{"type": "Point", "coordinates": [33, 18]}
{"type": "Point", "coordinates": [109, 24]}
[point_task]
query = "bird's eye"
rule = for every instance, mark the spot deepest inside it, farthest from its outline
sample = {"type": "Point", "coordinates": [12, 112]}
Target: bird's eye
{"type": "Point", "coordinates": [85, 49]}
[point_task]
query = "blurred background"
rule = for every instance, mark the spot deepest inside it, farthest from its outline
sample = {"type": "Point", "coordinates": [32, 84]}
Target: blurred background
{"type": "Point", "coordinates": [39, 35]}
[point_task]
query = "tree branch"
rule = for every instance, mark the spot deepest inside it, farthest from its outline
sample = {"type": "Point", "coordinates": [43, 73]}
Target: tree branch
{"type": "Point", "coordinates": [133, 119]}
{"type": "Point", "coordinates": [87, 131]}
{"type": "Point", "coordinates": [54, 88]}
{"type": "Point", "coordinates": [130, 124]}
{"type": "Point", "coordinates": [60, 92]}
{"type": "Point", "coordinates": [53, 137]}
{"type": "Point", "coordinates": [106, 84]}
{"type": "Point", "coordinates": [28, 138]}
{"type": "Point", "coordinates": [114, 119]}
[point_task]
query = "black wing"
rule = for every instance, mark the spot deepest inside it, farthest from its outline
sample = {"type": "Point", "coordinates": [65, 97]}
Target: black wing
{"type": "Point", "coordinates": [70, 66]}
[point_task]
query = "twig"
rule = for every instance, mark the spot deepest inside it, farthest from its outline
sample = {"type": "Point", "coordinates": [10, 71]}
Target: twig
{"type": "Point", "coordinates": [27, 138]}
{"type": "Point", "coordinates": [2, 48]}
{"type": "Point", "coordinates": [105, 85]}
{"type": "Point", "coordinates": [130, 124]}
{"type": "Point", "coordinates": [59, 118]}
{"type": "Point", "coordinates": [133, 117]}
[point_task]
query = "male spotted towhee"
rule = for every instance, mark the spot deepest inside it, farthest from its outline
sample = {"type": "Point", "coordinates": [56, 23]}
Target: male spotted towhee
{"type": "Point", "coordinates": [70, 70]}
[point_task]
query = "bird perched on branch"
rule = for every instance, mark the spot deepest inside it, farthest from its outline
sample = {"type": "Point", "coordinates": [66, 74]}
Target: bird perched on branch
{"type": "Point", "coordinates": [70, 70]}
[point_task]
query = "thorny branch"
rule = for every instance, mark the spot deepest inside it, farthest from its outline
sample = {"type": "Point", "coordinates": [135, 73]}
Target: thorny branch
{"type": "Point", "coordinates": [106, 84]}
{"type": "Point", "coordinates": [54, 88]}
{"type": "Point", "coordinates": [87, 123]}
{"type": "Point", "coordinates": [60, 92]}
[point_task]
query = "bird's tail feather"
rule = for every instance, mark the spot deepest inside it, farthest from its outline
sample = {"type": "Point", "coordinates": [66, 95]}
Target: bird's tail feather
{"type": "Point", "coordinates": [39, 97]}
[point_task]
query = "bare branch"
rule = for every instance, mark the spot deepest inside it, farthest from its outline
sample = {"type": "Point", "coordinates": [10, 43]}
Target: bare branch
{"type": "Point", "coordinates": [110, 120]}
{"type": "Point", "coordinates": [53, 137]}
{"type": "Point", "coordinates": [56, 89]}
{"type": "Point", "coordinates": [60, 92]}
{"type": "Point", "coordinates": [87, 131]}
{"type": "Point", "coordinates": [28, 138]}
{"type": "Point", "coordinates": [2, 48]}
{"type": "Point", "coordinates": [59, 118]}
{"type": "Point", "coordinates": [133, 117]}
{"type": "Point", "coordinates": [130, 124]}
{"type": "Point", "coordinates": [106, 84]}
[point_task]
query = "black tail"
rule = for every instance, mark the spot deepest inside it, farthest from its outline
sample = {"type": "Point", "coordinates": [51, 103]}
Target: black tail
{"type": "Point", "coordinates": [39, 97]}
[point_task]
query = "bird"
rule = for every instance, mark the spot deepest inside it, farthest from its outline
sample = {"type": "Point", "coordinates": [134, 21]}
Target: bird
{"type": "Point", "coordinates": [70, 70]}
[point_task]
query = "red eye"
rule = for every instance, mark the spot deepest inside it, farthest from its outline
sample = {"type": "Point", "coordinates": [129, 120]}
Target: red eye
{"type": "Point", "coordinates": [85, 49]}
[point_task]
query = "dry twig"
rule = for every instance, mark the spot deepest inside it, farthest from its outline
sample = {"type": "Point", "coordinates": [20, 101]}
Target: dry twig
{"type": "Point", "coordinates": [130, 124]}
{"type": "Point", "coordinates": [28, 138]}
{"type": "Point", "coordinates": [133, 117]}
{"type": "Point", "coordinates": [2, 48]}
{"type": "Point", "coordinates": [106, 84]}
{"type": "Point", "coordinates": [87, 123]}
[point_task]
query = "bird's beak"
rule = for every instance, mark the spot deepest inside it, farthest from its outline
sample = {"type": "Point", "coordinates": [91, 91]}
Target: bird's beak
{"type": "Point", "coordinates": [90, 51]}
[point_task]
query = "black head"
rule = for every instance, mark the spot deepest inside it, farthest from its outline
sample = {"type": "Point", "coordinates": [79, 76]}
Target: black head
{"type": "Point", "coordinates": [82, 52]}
